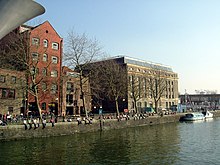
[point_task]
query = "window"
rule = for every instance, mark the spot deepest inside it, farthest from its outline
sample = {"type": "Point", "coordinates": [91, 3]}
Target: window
{"type": "Point", "coordinates": [6, 93]}
{"type": "Point", "coordinates": [44, 71]}
{"type": "Point", "coordinates": [54, 59]}
{"type": "Point", "coordinates": [55, 46]}
{"type": "Point", "coordinates": [13, 79]}
{"type": "Point", "coordinates": [54, 73]}
{"type": "Point", "coordinates": [69, 87]}
{"type": "Point", "coordinates": [35, 56]}
{"type": "Point", "coordinates": [69, 99]}
{"type": "Point", "coordinates": [45, 42]}
{"type": "Point", "coordinates": [11, 93]}
{"type": "Point", "coordinates": [2, 78]}
{"type": "Point", "coordinates": [45, 57]}
{"type": "Point", "coordinates": [53, 88]}
{"type": "Point", "coordinates": [35, 41]}
{"type": "Point", "coordinates": [10, 109]}
{"type": "Point", "coordinates": [44, 86]}
{"type": "Point", "coordinates": [43, 106]}
{"type": "Point", "coordinates": [34, 71]}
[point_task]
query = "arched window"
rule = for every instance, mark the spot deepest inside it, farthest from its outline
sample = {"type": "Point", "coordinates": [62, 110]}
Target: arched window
{"type": "Point", "coordinates": [43, 106]}
{"type": "Point", "coordinates": [54, 73]}
{"type": "Point", "coordinates": [45, 42]}
{"type": "Point", "coordinates": [44, 71]}
{"type": "Point", "coordinates": [44, 86]}
{"type": "Point", "coordinates": [45, 57]}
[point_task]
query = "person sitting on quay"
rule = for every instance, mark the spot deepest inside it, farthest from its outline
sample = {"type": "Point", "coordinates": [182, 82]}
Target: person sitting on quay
{"type": "Point", "coordinates": [1, 122]}
{"type": "Point", "coordinates": [35, 123]}
{"type": "Point", "coordinates": [79, 120]}
{"type": "Point", "coordinates": [38, 122]}
{"type": "Point", "coordinates": [90, 120]}
{"type": "Point", "coordinates": [30, 123]}
{"type": "Point", "coordinates": [52, 121]}
{"type": "Point", "coordinates": [25, 123]}
{"type": "Point", "coordinates": [44, 123]}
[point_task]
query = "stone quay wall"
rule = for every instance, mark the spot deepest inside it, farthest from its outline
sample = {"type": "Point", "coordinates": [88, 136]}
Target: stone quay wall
{"type": "Point", "coordinates": [15, 132]}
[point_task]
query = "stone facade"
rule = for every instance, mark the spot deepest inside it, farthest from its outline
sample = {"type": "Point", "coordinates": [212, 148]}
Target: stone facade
{"type": "Point", "coordinates": [12, 91]}
{"type": "Point", "coordinates": [140, 77]}
{"type": "Point", "coordinates": [143, 70]}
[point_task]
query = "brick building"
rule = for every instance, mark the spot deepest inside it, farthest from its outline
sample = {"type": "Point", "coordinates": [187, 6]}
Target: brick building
{"type": "Point", "coordinates": [45, 54]}
{"type": "Point", "coordinates": [41, 66]}
{"type": "Point", "coordinates": [71, 100]}
{"type": "Point", "coordinates": [12, 91]}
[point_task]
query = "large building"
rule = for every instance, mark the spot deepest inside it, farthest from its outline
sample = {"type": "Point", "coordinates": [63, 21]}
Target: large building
{"type": "Point", "coordinates": [147, 82]}
{"type": "Point", "coordinates": [197, 102]}
{"type": "Point", "coordinates": [41, 66]}
{"type": "Point", "coordinates": [45, 54]}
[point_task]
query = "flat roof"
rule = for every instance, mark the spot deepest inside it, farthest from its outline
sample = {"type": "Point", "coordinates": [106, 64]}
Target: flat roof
{"type": "Point", "coordinates": [135, 61]}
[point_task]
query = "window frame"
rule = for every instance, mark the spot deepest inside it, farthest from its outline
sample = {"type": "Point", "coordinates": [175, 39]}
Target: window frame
{"type": "Point", "coordinates": [45, 43]}
{"type": "Point", "coordinates": [54, 73]}
{"type": "Point", "coordinates": [45, 57]}
{"type": "Point", "coordinates": [35, 41]}
{"type": "Point", "coordinates": [35, 58]}
{"type": "Point", "coordinates": [2, 78]}
{"type": "Point", "coordinates": [54, 59]}
{"type": "Point", "coordinates": [55, 46]}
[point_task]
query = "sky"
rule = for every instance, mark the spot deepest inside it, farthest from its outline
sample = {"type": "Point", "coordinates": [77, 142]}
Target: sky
{"type": "Point", "coordinates": [183, 34]}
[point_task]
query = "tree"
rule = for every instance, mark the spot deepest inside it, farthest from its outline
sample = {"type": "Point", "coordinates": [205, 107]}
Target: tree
{"type": "Point", "coordinates": [157, 85]}
{"type": "Point", "coordinates": [81, 51]}
{"type": "Point", "coordinates": [111, 78]}
{"type": "Point", "coordinates": [135, 90]}
{"type": "Point", "coordinates": [15, 50]}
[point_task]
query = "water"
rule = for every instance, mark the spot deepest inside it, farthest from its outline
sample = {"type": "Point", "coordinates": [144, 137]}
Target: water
{"type": "Point", "coordinates": [166, 144]}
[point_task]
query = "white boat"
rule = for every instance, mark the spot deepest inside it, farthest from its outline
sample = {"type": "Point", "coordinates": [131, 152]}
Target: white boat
{"type": "Point", "coordinates": [194, 116]}
{"type": "Point", "coordinates": [207, 114]}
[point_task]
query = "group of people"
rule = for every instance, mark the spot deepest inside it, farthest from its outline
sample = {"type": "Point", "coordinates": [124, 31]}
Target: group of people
{"type": "Point", "coordinates": [35, 123]}
{"type": "Point", "coordinates": [8, 118]}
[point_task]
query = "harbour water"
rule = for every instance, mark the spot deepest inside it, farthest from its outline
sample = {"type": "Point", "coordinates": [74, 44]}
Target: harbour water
{"type": "Point", "coordinates": [165, 144]}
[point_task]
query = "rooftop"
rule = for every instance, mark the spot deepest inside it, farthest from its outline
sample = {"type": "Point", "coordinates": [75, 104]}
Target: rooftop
{"type": "Point", "coordinates": [135, 61]}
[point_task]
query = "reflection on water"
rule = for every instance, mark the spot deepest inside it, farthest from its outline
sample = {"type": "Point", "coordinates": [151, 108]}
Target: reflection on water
{"type": "Point", "coordinates": [176, 143]}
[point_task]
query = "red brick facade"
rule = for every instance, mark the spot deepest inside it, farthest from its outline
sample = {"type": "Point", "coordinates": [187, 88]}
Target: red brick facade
{"type": "Point", "coordinates": [46, 55]}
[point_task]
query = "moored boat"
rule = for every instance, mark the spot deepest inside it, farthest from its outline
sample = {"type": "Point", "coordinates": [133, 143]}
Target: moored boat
{"type": "Point", "coordinates": [207, 114]}
{"type": "Point", "coordinates": [194, 116]}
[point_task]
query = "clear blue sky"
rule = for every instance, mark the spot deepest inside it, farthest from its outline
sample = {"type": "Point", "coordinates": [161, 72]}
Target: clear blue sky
{"type": "Point", "coordinates": [184, 34]}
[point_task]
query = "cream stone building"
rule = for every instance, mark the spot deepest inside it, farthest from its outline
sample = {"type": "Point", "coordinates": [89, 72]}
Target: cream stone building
{"type": "Point", "coordinates": [148, 81]}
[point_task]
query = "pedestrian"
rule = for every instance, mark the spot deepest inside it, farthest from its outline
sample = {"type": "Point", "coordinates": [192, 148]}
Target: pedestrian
{"type": "Point", "coordinates": [25, 124]}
